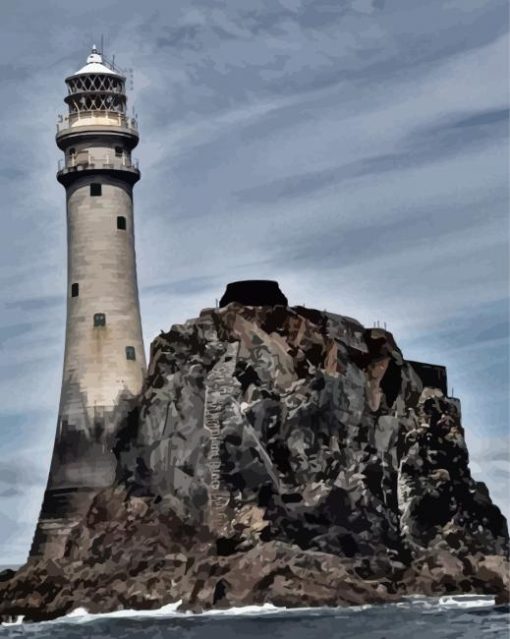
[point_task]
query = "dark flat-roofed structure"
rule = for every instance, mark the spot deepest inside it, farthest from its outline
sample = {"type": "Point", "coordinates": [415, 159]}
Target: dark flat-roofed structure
{"type": "Point", "coordinates": [431, 375]}
{"type": "Point", "coordinates": [254, 293]}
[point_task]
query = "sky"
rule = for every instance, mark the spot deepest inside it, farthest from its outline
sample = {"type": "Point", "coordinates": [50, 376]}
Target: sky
{"type": "Point", "coordinates": [354, 150]}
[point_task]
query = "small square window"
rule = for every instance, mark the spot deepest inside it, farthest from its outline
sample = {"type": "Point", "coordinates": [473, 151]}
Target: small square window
{"type": "Point", "coordinates": [121, 222]}
{"type": "Point", "coordinates": [118, 151]}
{"type": "Point", "coordinates": [75, 290]}
{"type": "Point", "coordinates": [95, 189]}
{"type": "Point", "coordinates": [99, 319]}
{"type": "Point", "coordinates": [130, 352]}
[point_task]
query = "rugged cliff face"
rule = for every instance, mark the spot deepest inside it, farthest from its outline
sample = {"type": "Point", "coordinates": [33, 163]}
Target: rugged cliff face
{"type": "Point", "coordinates": [280, 455]}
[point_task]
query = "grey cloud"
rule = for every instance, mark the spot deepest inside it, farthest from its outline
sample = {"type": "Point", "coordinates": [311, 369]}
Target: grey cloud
{"type": "Point", "coordinates": [10, 173]}
{"type": "Point", "coordinates": [8, 332]}
{"type": "Point", "coordinates": [499, 330]}
{"type": "Point", "coordinates": [13, 72]}
{"type": "Point", "coordinates": [187, 286]}
{"type": "Point", "coordinates": [487, 325]}
{"type": "Point", "coordinates": [10, 492]}
{"type": "Point", "coordinates": [306, 184]}
{"type": "Point", "coordinates": [180, 38]}
{"type": "Point", "coordinates": [420, 148]}
{"type": "Point", "coordinates": [495, 116]}
{"type": "Point", "coordinates": [233, 62]}
{"type": "Point", "coordinates": [16, 473]}
{"type": "Point", "coordinates": [346, 246]}
{"type": "Point", "coordinates": [15, 537]}
{"type": "Point", "coordinates": [35, 304]}
{"type": "Point", "coordinates": [226, 21]}
{"type": "Point", "coordinates": [458, 134]}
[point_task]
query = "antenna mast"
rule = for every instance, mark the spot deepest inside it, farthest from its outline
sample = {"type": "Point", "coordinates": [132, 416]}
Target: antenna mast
{"type": "Point", "coordinates": [129, 73]}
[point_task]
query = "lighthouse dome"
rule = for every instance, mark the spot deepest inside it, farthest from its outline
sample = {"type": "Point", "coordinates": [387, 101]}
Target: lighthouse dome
{"type": "Point", "coordinates": [95, 64]}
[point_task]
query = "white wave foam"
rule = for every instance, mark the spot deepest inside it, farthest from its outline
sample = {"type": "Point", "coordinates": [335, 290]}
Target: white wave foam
{"type": "Point", "coordinates": [265, 609]}
{"type": "Point", "coordinates": [17, 622]}
{"type": "Point", "coordinates": [449, 602]}
{"type": "Point", "coordinates": [82, 615]}
{"type": "Point", "coordinates": [270, 609]}
{"type": "Point", "coordinates": [169, 611]}
{"type": "Point", "coordinates": [466, 601]}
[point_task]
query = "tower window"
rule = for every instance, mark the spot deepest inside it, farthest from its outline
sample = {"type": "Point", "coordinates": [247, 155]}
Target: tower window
{"type": "Point", "coordinates": [121, 222]}
{"type": "Point", "coordinates": [118, 151]}
{"type": "Point", "coordinates": [72, 152]}
{"type": "Point", "coordinates": [75, 290]}
{"type": "Point", "coordinates": [99, 319]}
{"type": "Point", "coordinates": [130, 352]}
{"type": "Point", "coordinates": [95, 189]}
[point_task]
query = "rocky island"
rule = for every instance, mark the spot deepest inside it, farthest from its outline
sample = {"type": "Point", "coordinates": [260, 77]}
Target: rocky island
{"type": "Point", "coordinates": [278, 455]}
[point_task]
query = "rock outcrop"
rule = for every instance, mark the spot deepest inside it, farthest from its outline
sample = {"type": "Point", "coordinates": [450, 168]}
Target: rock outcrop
{"type": "Point", "coordinates": [279, 455]}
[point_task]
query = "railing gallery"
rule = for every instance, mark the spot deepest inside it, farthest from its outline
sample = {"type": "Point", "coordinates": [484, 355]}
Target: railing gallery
{"type": "Point", "coordinates": [98, 117]}
{"type": "Point", "coordinates": [91, 162]}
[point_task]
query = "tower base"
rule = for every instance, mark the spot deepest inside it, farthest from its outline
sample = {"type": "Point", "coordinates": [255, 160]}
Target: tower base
{"type": "Point", "coordinates": [62, 510]}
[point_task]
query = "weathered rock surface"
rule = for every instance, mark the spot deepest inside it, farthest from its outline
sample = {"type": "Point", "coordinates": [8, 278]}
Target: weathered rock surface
{"type": "Point", "coordinates": [279, 455]}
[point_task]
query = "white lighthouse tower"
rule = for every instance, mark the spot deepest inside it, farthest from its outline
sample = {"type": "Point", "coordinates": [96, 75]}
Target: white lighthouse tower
{"type": "Point", "coordinates": [104, 362]}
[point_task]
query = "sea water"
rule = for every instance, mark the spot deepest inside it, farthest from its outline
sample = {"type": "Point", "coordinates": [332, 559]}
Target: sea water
{"type": "Point", "coordinates": [472, 617]}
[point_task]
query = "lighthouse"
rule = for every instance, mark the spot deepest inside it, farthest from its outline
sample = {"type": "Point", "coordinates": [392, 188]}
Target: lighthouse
{"type": "Point", "coordinates": [104, 360]}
